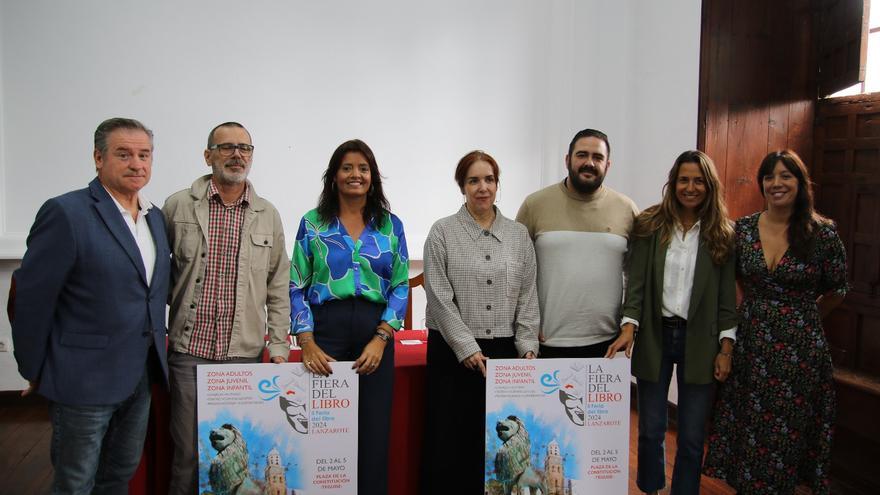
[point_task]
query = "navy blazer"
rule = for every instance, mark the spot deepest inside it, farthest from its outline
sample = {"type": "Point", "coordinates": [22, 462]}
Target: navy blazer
{"type": "Point", "coordinates": [85, 317]}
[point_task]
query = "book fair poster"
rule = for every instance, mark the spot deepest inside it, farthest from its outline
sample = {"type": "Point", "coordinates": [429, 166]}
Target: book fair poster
{"type": "Point", "coordinates": [277, 429]}
{"type": "Point", "coordinates": [557, 426]}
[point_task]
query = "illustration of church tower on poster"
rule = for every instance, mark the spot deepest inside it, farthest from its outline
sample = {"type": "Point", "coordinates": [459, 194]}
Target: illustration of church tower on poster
{"type": "Point", "coordinates": [554, 472]}
{"type": "Point", "coordinates": [276, 482]}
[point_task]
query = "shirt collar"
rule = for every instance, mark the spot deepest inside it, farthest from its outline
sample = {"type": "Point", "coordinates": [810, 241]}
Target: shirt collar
{"type": "Point", "coordinates": [679, 228]}
{"type": "Point", "coordinates": [474, 229]}
{"type": "Point", "coordinates": [244, 199]}
{"type": "Point", "coordinates": [144, 205]}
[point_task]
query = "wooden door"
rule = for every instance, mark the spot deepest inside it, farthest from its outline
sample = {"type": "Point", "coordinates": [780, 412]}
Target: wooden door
{"type": "Point", "coordinates": [846, 172]}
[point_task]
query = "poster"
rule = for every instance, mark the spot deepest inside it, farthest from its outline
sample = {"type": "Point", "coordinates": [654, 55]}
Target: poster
{"type": "Point", "coordinates": [557, 426]}
{"type": "Point", "coordinates": [277, 429]}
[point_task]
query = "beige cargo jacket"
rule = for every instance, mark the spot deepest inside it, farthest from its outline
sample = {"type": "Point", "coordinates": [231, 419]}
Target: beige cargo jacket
{"type": "Point", "coordinates": [262, 300]}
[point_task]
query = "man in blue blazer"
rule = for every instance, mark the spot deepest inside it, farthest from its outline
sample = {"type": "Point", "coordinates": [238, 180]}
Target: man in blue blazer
{"type": "Point", "coordinates": [89, 328]}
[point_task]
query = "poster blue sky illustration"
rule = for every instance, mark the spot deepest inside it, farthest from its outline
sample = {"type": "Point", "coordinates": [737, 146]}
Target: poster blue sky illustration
{"type": "Point", "coordinates": [260, 443]}
{"type": "Point", "coordinates": [540, 434]}
{"type": "Point", "coordinates": [531, 391]}
{"type": "Point", "coordinates": [270, 428]}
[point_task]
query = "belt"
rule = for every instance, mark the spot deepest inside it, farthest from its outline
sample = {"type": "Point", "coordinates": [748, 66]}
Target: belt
{"type": "Point", "coordinates": [674, 322]}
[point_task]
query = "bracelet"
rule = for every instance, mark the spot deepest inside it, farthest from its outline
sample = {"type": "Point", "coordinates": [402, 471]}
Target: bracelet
{"type": "Point", "coordinates": [728, 354]}
{"type": "Point", "coordinates": [383, 336]}
{"type": "Point", "coordinates": [303, 340]}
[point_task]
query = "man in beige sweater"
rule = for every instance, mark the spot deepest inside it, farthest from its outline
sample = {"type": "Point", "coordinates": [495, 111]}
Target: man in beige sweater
{"type": "Point", "coordinates": [580, 229]}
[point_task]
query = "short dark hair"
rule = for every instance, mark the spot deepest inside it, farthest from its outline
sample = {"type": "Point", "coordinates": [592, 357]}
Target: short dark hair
{"type": "Point", "coordinates": [108, 126]}
{"type": "Point", "coordinates": [377, 204]}
{"type": "Point", "coordinates": [467, 160]}
{"type": "Point", "coordinates": [590, 133]}
{"type": "Point", "coordinates": [226, 124]}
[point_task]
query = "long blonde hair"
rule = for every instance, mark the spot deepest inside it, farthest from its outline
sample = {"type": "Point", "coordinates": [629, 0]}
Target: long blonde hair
{"type": "Point", "coordinates": [716, 229]}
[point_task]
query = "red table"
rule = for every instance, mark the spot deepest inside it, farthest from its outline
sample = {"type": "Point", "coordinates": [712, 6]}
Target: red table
{"type": "Point", "coordinates": [407, 421]}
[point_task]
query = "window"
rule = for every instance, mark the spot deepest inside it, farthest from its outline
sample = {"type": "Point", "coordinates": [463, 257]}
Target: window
{"type": "Point", "coordinates": [872, 72]}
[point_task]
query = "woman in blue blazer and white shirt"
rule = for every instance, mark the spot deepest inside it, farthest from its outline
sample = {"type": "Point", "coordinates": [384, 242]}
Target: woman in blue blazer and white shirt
{"type": "Point", "coordinates": [680, 309]}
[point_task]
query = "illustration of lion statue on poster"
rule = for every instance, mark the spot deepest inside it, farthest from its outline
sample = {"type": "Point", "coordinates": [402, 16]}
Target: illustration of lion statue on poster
{"type": "Point", "coordinates": [229, 473]}
{"type": "Point", "coordinates": [513, 467]}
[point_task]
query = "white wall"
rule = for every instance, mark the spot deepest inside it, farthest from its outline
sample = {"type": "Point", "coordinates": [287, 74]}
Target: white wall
{"type": "Point", "coordinates": [630, 69]}
{"type": "Point", "coordinates": [421, 82]}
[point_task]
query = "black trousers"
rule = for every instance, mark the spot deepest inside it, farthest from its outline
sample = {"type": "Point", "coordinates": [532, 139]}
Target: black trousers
{"type": "Point", "coordinates": [584, 351]}
{"type": "Point", "coordinates": [453, 460]}
{"type": "Point", "coordinates": [342, 329]}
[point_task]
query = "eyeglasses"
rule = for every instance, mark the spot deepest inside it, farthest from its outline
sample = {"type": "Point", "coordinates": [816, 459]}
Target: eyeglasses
{"type": "Point", "coordinates": [228, 149]}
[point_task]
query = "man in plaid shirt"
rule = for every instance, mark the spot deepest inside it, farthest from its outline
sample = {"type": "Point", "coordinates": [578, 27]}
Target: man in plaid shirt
{"type": "Point", "coordinates": [229, 283]}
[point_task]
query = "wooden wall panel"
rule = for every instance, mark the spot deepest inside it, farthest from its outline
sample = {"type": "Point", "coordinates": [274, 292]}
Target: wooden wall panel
{"type": "Point", "coordinates": [715, 47]}
{"type": "Point", "coordinates": [843, 341]}
{"type": "Point", "coordinates": [757, 71]}
{"type": "Point", "coordinates": [857, 437]}
{"type": "Point", "coordinates": [846, 166]}
{"type": "Point", "coordinates": [847, 177]}
{"type": "Point", "coordinates": [869, 348]}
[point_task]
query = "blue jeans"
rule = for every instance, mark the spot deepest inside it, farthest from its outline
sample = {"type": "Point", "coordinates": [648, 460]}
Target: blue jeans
{"type": "Point", "coordinates": [96, 449]}
{"type": "Point", "coordinates": [694, 403]}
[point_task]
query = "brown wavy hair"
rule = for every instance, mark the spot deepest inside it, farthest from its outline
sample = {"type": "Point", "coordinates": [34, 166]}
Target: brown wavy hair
{"type": "Point", "coordinates": [716, 229]}
{"type": "Point", "coordinates": [804, 218]}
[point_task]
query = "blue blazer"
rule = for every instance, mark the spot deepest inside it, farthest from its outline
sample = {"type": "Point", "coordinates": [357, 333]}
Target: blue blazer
{"type": "Point", "coordinates": [85, 317]}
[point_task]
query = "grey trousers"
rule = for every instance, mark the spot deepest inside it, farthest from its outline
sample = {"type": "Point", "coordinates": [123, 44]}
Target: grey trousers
{"type": "Point", "coordinates": [183, 424]}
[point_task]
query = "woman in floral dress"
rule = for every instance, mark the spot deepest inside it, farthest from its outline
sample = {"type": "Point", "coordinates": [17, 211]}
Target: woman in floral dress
{"type": "Point", "coordinates": [774, 418]}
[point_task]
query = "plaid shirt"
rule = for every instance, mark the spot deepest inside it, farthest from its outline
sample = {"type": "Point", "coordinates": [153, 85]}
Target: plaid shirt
{"type": "Point", "coordinates": [212, 328]}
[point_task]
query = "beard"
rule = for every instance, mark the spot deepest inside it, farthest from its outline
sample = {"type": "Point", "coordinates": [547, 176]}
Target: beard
{"type": "Point", "coordinates": [229, 176]}
{"type": "Point", "coordinates": [585, 186]}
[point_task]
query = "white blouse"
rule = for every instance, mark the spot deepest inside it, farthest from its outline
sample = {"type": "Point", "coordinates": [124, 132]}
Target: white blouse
{"type": "Point", "coordinates": [678, 271]}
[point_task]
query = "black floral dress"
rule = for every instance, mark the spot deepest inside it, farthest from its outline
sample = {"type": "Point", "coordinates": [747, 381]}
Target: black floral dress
{"type": "Point", "coordinates": [774, 418]}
